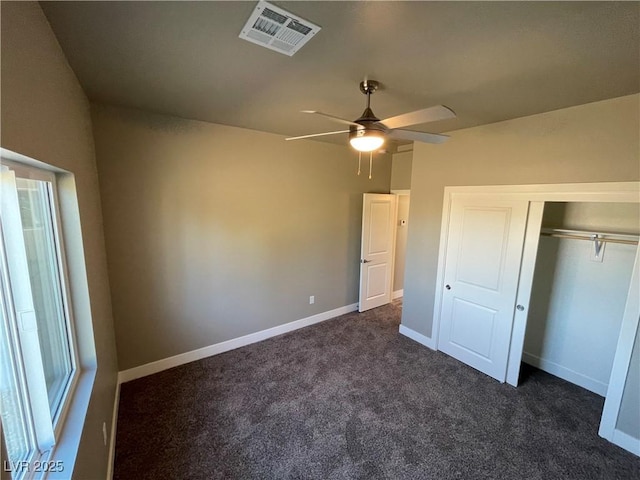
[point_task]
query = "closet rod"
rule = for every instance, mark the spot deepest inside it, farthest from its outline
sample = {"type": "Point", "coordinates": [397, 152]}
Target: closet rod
{"type": "Point", "coordinates": [591, 236]}
{"type": "Point", "coordinates": [600, 239]}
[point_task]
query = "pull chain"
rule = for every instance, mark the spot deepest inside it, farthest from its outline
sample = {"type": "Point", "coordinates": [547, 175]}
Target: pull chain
{"type": "Point", "coordinates": [370, 163]}
{"type": "Point", "coordinates": [359, 160]}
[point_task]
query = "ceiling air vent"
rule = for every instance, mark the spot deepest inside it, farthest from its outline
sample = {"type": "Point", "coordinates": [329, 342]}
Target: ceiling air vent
{"type": "Point", "coordinates": [277, 29]}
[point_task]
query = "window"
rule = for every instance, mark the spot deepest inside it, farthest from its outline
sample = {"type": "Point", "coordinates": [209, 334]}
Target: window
{"type": "Point", "coordinates": [38, 369]}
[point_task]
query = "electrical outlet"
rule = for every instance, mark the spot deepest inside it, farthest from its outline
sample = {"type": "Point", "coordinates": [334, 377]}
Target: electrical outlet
{"type": "Point", "coordinates": [104, 433]}
{"type": "Point", "coordinates": [312, 299]}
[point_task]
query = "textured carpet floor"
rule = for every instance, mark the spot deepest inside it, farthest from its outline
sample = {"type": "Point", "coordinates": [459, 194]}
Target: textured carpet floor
{"type": "Point", "coordinates": [351, 398]}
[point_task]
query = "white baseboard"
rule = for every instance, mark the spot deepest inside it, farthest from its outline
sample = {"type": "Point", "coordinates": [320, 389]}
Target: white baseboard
{"type": "Point", "coordinates": [626, 441]}
{"type": "Point", "coordinates": [567, 374]}
{"type": "Point", "coordinates": [181, 359]}
{"type": "Point", "coordinates": [112, 439]}
{"type": "Point", "coordinates": [418, 337]}
{"type": "Point", "coordinates": [397, 294]}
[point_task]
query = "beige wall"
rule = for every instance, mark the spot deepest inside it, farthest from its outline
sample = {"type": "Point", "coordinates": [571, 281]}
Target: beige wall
{"type": "Point", "coordinates": [401, 180]}
{"type": "Point", "coordinates": [401, 242]}
{"type": "Point", "coordinates": [45, 115]}
{"type": "Point", "coordinates": [215, 232]}
{"type": "Point", "coordinates": [401, 171]}
{"type": "Point", "coordinates": [598, 217]}
{"type": "Point", "coordinates": [597, 142]}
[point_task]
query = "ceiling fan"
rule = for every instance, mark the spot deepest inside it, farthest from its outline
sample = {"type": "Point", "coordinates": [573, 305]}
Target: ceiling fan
{"type": "Point", "coordinates": [368, 132]}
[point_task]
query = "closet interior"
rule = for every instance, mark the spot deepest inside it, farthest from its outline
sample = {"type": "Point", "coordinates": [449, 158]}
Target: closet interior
{"type": "Point", "coordinates": [583, 269]}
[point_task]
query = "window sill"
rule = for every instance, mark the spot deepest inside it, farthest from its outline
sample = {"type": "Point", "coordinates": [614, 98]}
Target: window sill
{"type": "Point", "coordinates": [65, 451]}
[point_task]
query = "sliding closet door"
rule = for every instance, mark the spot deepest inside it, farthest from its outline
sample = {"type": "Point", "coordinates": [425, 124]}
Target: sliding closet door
{"type": "Point", "coordinates": [482, 265]}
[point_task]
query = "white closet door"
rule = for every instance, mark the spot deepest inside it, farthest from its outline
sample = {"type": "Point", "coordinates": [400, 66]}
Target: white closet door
{"type": "Point", "coordinates": [482, 265]}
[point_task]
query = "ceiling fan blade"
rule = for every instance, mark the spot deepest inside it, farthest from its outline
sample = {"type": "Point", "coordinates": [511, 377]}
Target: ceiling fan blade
{"type": "Point", "coordinates": [418, 136]}
{"type": "Point", "coordinates": [431, 114]}
{"type": "Point", "coordinates": [331, 117]}
{"type": "Point", "coordinates": [317, 135]}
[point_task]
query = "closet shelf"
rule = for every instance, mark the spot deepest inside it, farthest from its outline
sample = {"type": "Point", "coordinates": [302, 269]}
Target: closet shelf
{"type": "Point", "coordinates": [604, 237]}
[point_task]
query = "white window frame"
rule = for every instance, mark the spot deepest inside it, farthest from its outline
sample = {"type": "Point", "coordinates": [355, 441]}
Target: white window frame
{"type": "Point", "coordinates": [33, 173]}
{"type": "Point", "coordinates": [57, 443]}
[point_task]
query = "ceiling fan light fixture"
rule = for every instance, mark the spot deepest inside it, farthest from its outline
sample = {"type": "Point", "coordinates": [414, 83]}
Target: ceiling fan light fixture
{"type": "Point", "coordinates": [366, 140]}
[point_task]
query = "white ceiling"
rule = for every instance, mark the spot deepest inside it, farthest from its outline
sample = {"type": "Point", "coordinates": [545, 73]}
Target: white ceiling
{"type": "Point", "coordinates": [488, 61]}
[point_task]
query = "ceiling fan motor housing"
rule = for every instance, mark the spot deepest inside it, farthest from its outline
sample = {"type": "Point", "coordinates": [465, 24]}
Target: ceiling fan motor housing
{"type": "Point", "coordinates": [368, 124]}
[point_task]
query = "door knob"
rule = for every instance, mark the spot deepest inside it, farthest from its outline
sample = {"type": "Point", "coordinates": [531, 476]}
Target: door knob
{"type": "Point", "coordinates": [520, 308]}
{"type": "Point", "coordinates": [448, 287]}
{"type": "Point", "coordinates": [365, 261]}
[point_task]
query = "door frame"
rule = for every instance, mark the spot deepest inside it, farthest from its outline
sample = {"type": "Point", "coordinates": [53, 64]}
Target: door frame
{"type": "Point", "coordinates": [537, 195]}
{"type": "Point", "coordinates": [398, 194]}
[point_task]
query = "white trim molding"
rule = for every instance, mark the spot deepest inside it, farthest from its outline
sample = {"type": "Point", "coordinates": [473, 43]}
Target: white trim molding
{"type": "Point", "coordinates": [397, 294]}
{"type": "Point", "coordinates": [418, 337]}
{"type": "Point", "coordinates": [567, 374]}
{"type": "Point", "coordinates": [407, 147]}
{"type": "Point", "coordinates": [112, 438]}
{"type": "Point", "coordinates": [215, 349]}
{"type": "Point", "coordinates": [626, 441]}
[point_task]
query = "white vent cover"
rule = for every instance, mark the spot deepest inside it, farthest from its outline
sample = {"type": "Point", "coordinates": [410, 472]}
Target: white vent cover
{"type": "Point", "coordinates": [277, 29]}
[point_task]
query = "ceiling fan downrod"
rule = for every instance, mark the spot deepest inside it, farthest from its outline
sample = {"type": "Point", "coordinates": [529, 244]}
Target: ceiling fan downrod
{"type": "Point", "coordinates": [368, 87]}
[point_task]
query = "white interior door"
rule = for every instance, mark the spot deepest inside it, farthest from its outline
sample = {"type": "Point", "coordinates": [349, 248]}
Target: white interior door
{"type": "Point", "coordinates": [482, 265]}
{"type": "Point", "coordinates": [377, 250]}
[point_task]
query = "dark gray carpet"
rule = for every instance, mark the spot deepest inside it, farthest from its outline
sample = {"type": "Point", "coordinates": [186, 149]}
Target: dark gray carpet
{"type": "Point", "coordinates": [351, 398]}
